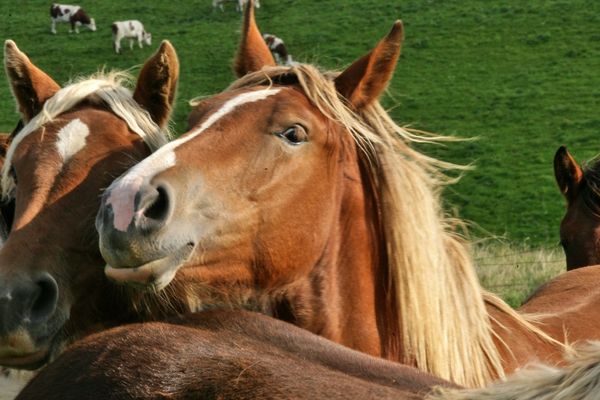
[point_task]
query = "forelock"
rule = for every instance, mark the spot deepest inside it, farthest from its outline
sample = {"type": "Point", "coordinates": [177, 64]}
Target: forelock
{"type": "Point", "coordinates": [109, 88]}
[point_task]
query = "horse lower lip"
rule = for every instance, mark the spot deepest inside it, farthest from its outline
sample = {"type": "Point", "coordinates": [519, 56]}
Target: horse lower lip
{"type": "Point", "coordinates": [29, 361]}
{"type": "Point", "coordinates": [157, 272]}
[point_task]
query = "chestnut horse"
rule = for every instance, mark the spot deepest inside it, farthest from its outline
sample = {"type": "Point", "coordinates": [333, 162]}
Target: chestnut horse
{"type": "Point", "coordinates": [580, 227]}
{"type": "Point", "coordinates": [242, 355]}
{"type": "Point", "coordinates": [74, 142]}
{"type": "Point", "coordinates": [296, 195]}
{"type": "Point", "coordinates": [222, 354]}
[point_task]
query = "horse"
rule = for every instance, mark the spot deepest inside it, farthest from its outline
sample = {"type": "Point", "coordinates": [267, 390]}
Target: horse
{"type": "Point", "coordinates": [74, 141]}
{"type": "Point", "coordinates": [580, 226]}
{"type": "Point", "coordinates": [244, 355]}
{"type": "Point", "coordinates": [295, 194]}
{"type": "Point", "coordinates": [222, 354]}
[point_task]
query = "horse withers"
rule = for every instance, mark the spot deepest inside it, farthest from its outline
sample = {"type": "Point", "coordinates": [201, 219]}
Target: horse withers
{"type": "Point", "coordinates": [74, 142]}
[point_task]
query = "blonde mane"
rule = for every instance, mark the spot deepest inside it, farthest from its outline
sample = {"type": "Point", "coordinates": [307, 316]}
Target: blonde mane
{"type": "Point", "coordinates": [443, 324]}
{"type": "Point", "coordinates": [109, 88]}
{"type": "Point", "coordinates": [578, 380]}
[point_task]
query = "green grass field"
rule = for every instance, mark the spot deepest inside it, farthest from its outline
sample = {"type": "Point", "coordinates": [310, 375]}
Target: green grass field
{"type": "Point", "coordinates": [522, 77]}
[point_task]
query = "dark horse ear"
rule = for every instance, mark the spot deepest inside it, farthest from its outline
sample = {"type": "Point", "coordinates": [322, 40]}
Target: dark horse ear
{"type": "Point", "coordinates": [253, 53]}
{"type": "Point", "coordinates": [568, 173]}
{"type": "Point", "coordinates": [29, 84]}
{"type": "Point", "coordinates": [364, 81]}
{"type": "Point", "coordinates": [157, 83]}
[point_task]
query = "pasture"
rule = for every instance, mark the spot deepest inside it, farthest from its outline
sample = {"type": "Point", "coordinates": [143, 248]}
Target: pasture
{"type": "Point", "coordinates": [521, 77]}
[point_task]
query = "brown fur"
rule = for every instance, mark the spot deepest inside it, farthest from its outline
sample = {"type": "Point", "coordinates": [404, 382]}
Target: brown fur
{"type": "Point", "coordinates": [365, 80]}
{"type": "Point", "coordinates": [229, 355]}
{"type": "Point", "coordinates": [79, 16]}
{"type": "Point", "coordinates": [161, 74]}
{"type": "Point", "coordinates": [30, 85]}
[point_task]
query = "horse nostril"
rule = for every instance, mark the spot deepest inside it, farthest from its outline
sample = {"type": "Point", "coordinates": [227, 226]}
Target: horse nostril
{"type": "Point", "coordinates": [45, 301]}
{"type": "Point", "coordinates": [159, 208]}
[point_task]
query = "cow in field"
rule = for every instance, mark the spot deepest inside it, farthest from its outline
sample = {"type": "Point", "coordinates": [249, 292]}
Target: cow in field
{"type": "Point", "coordinates": [132, 29]}
{"type": "Point", "coordinates": [72, 14]}
{"type": "Point", "coordinates": [239, 4]}
{"type": "Point", "coordinates": [278, 49]}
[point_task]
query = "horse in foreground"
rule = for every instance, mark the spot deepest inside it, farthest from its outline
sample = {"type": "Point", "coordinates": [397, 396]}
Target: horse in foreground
{"type": "Point", "coordinates": [222, 354]}
{"type": "Point", "coordinates": [296, 195]}
{"type": "Point", "coordinates": [74, 142]}
{"type": "Point", "coordinates": [242, 355]}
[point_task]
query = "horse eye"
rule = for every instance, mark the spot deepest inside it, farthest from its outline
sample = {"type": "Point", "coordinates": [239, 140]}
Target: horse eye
{"type": "Point", "coordinates": [294, 135]}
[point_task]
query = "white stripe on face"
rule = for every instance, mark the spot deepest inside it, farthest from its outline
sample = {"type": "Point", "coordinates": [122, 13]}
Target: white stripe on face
{"type": "Point", "coordinates": [163, 159]}
{"type": "Point", "coordinates": [123, 191]}
{"type": "Point", "coordinates": [71, 139]}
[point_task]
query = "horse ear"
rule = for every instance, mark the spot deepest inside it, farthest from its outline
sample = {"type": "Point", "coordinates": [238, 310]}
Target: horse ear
{"type": "Point", "coordinates": [29, 84]}
{"type": "Point", "coordinates": [253, 53]}
{"type": "Point", "coordinates": [157, 83]}
{"type": "Point", "coordinates": [364, 81]}
{"type": "Point", "coordinates": [568, 173]}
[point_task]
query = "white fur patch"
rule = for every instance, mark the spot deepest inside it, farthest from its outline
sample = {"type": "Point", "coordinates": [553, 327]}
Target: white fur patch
{"type": "Point", "coordinates": [11, 385]}
{"type": "Point", "coordinates": [71, 139]}
{"type": "Point", "coordinates": [164, 157]}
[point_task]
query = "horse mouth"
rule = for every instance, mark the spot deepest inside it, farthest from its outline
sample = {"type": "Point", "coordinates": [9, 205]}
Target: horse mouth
{"type": "Point", "coordinates": [30, 361]}
{"type": "Point", "coordinates": [156, 274]}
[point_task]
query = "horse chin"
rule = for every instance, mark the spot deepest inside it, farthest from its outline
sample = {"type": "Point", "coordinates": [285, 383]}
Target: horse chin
{"type": "Point", "coordinates": [156, 274]}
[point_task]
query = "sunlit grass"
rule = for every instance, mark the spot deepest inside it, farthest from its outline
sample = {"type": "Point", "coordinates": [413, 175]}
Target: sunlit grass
{"type": "Point", "coordinates": [514, 271]}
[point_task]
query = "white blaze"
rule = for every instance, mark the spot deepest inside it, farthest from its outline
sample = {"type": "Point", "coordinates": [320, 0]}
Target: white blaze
{"type": "Point", "coordinates": [164, 157]}
{"type": "Point", "coordinates": [71, 139]}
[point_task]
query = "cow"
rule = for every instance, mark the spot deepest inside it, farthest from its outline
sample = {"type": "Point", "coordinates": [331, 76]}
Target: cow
{"type": "Point", "coordinates": [132, 29]}
{"type": "Point", "coordinates": [73, 14]}
{"type": "Point", "coordinates": [277, 47]}
{"type": "Point", "coordinates": [239, 4]}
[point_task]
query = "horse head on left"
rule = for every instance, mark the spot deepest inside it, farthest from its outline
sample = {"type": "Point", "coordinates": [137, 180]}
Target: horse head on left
{"type": "Point", "coordinates": [74, 142]}
{"type": "Point", "coordinates": [580, 226]}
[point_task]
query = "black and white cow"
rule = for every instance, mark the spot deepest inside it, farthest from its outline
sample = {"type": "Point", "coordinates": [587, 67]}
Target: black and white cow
{"type": "Point", "coordinates": [72, 14]}
{"type": "Point", "coordinates": [278, 49]}
{"type": "Point", "coordinates": [132, 29]}
{"type": "Point", "coordinates": [239, 4]}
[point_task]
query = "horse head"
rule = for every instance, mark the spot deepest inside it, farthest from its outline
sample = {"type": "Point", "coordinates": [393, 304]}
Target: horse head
{"type": "Point", "coordinates": [580, 226]}
{"type": "Point", "coordinates": [74, 142]}
{"type": "Point", "coordinates": [233, 199]}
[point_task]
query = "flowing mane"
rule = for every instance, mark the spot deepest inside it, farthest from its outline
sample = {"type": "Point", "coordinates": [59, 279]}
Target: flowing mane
{"type": "Point", "coordinates": [420, 240]}
{"type": "Point", "coordinates": [107, 87]}
{"type": "Point", "coordinates": [591, 189]}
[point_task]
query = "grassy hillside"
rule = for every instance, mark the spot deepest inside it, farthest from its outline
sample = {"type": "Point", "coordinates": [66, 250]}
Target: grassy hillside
{"type": "Point", "coordinates": [523, 77]}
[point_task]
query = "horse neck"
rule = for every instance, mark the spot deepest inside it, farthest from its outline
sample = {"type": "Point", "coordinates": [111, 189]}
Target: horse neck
{"type": "Point", "coordinates": [344, 297]}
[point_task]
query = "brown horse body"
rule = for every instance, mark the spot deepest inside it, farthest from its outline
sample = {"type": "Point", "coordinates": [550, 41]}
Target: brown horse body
{"type": "Point", "coordinates": [220, 354]}
{"type": "Point", "coordinates": [242, 355]}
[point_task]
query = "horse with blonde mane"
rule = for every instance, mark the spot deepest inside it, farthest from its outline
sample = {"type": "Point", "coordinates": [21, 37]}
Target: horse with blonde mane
{"type": "Point", "coordinates": [296, 195]}
{"type": "Point", "coordinates": [74, 141]}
